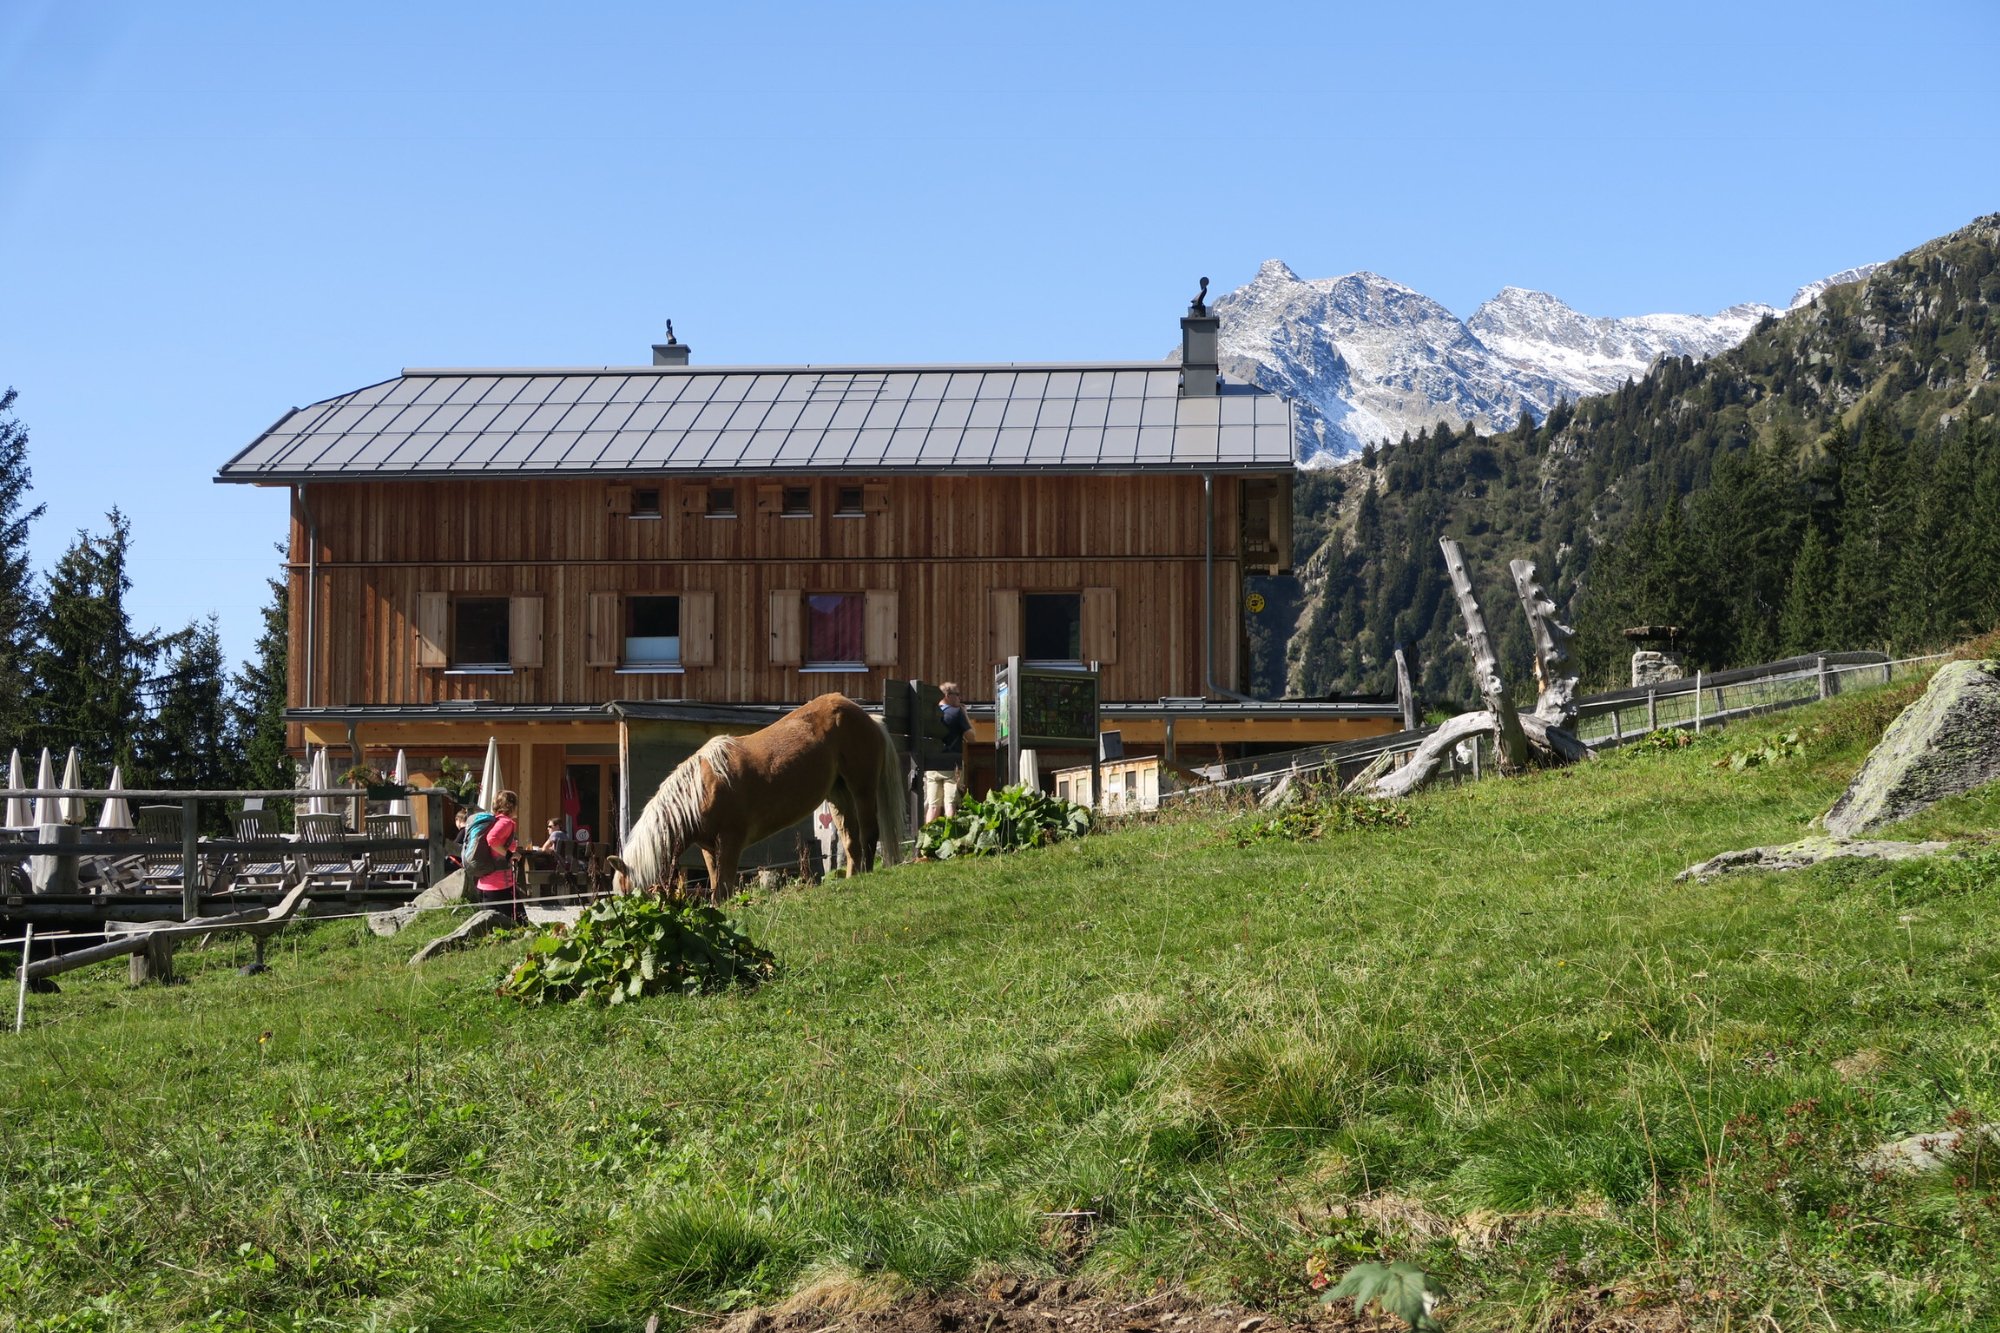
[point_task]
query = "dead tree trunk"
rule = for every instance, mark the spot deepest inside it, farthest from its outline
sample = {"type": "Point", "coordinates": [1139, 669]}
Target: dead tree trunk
{"type": "Point", "coordinates": [1541, 736]}
{"type": "Point", "coordinates": [1555, 700]}
{"type": "Point", "coordinates": [1512, 747]}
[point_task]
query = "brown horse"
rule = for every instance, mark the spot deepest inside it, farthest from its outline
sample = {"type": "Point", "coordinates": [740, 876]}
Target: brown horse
{"type": "Point", "coordinates": [735, 790]}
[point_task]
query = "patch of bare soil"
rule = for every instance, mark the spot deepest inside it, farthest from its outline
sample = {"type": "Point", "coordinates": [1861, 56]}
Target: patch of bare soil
{"type": "Point", "coordinates": [1022, 1305]}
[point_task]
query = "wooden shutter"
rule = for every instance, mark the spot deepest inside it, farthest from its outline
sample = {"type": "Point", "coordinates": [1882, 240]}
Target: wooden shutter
{"type": "Point", "coordinates": [524, 631]}
{"type": "Point", "coordinates": [874, 499]}
{"type": "Point", "coordinates": [770, 499]}
{"type": "Point", "coordinates": [433, 628]}
{"type": "Point", "coordinates": [694, 498]}
{"type": "Point", "coordinates": [878, 628]}
{"type": "Point", "coordinates": [604, 630]}
{"type": "Point", "coordinates": [788, 627]}
{"type": "Point", "coordinates": [620, 498]}
{"type": "Point", "coordinates": [1099, 630]}
{"type": "Point", "coordinates": [697, 629]}
{"type": "Point", "coordinates": [1005, 638]}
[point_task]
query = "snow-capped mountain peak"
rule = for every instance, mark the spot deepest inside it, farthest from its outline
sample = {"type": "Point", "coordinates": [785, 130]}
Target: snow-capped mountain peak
{"type": "Point", "coordinates": [1367, 359]}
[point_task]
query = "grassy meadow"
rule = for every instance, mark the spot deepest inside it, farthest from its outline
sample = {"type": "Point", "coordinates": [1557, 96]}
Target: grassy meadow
{"type": "Point", "coordinates": [1500, 1042]}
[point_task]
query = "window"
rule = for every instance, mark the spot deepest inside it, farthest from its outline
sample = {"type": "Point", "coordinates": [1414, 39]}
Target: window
{"type": "Point", "coordinates": [479, 632]}
{"type": "Point", "coordinates": [646, 502]}
{"type": "Point", "coordinates": [1052, 626]}
{"type": "Point", "coordinates": [721, 502]}
{"type": "Point", "coordinates": [848, 502]}
{"type": "Point", "coordinates": [652, 631]}
{"type": "Point", "coordinates": [798, 502]}
{"type": "Point", "coordinates": [834, 626]}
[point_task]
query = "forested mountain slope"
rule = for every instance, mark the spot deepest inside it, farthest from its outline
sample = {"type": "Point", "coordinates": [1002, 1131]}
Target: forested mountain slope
{"type": "Point", "coordinates": [1832, 482]}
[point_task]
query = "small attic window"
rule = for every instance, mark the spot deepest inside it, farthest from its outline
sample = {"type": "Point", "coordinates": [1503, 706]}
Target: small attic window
{"type": "Point", "coordinates": [645, 502]}
{"type": "Point", "coordinates": [798, 502]}
{"type": "Point", "coordinates": [848, 502]}
{"type": "Point", "coordinates": [721, 502]}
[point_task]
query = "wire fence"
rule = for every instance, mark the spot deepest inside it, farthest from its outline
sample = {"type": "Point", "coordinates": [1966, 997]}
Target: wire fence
{"type": "Point", "coordinates": [1603, 720]}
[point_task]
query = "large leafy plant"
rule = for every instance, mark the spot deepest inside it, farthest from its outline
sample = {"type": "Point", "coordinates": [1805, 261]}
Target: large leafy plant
{"type": "Point", "coordinates": [1010, 818]}
{"type": "Point", "coordinates": [1400, 1289]}
{"type": "Point", "coordinates": [636, 944]}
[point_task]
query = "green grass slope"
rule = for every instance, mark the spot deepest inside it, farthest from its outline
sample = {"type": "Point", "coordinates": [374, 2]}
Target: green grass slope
{"type": "Point", "coordinates": [1500, 1042]}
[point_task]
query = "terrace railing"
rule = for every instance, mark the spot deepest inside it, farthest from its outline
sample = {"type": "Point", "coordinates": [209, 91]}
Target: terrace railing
{"type": "Point", "coordinates": [66, 844]}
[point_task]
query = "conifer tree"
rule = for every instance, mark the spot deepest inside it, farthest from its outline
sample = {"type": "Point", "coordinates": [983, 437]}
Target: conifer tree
{"type": "Point", "coordinates": [19, 607]}
{"type": "Point", "coordinates": [88, 665]}
{"type": "Point", "coordinates": [1802, 627]}
{"type": "Point", "coordinates": [185, 742]}
{"type": "Point", "coordinates": [258, 724]}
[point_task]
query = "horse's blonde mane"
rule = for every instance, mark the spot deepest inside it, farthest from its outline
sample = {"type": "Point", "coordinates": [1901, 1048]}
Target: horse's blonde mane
{"type": "Point", "coordinates": [673, 817]}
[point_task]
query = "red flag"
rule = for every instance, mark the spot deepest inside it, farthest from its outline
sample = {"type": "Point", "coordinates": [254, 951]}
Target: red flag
{"type": "Point", "coordinates": [572, 804]}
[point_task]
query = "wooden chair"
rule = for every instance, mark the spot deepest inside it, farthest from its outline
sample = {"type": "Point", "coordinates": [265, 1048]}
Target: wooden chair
{"type": "Point", "coordinates": [268, 867]}
{"type": "Point", "coordinates": [150, 871]}
{"type": "Point", "coordinates": [319, 865]}
{"type": "Point", "coordinates": [401, 867]}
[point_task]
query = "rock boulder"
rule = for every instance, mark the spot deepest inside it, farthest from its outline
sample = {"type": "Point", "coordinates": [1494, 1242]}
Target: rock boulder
{"type": "Point", "coordinates": [1945, 743]}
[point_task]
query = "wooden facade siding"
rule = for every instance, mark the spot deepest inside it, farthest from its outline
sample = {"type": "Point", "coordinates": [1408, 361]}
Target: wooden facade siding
{"type": "Point", "coordinates": [935, 517]}
{"type": "Point", "coordinates": [940, 563]}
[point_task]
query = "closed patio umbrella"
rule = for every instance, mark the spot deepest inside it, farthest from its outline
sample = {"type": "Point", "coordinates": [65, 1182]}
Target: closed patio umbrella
{"type": "Point", "coordinates": [401, 805]}
{"type": "Point", "coordinates": [490, 782]}
{"type": "Point", "coordinates": [116, 814]}
{"type": "Point", "coordinates": [17, 806]}
{"type": "Point", "coordinates": [45, 806]}
{"type": "Point", "coordinates": [70, 808]}
{"type": "Point", "coordinates": [320, 778]}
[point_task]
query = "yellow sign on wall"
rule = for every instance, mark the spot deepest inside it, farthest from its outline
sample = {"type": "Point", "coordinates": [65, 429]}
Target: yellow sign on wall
{"type": "Point", "coordinates": [1255, 602]}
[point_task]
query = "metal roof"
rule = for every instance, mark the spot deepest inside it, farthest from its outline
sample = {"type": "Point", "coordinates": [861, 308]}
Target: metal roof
{"type": "Point", "coordinates": [793, 419]}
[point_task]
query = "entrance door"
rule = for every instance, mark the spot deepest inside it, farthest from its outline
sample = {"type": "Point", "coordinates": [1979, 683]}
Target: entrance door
{"type": "Point", "coordinates": [588, 779]}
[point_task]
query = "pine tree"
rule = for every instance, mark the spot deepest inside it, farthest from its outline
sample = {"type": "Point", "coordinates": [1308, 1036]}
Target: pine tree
{"type": "Point", "coordinates": [1802, 626]}
{"type": "Point", "coordinates": [185, 743]}
{"type": "Point", "coordinates": [89, 667]}
{"type": "Point", "coordinates": [19, 609]}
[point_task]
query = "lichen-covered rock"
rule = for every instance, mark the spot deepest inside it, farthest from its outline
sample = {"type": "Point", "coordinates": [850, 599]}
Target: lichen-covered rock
{"type": "Point", "coordinates": [1945, 743]}
{"type": "Point", "coordinates": [1807, 852]}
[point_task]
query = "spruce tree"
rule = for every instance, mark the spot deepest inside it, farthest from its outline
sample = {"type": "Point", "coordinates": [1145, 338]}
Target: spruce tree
{"type": "Point", "coordinates": [19, 607]}
{"type": "Point", "coordinates": [1802, 626]}
{"type": "Point", "coordinates": [186, 742]}
{"type": "Point", "coordinates": [258, 724]}
{"type": "Point", "coordinates": [89, 667]}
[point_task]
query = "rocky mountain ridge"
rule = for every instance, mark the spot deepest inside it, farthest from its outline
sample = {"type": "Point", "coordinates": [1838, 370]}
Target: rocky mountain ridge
{"type": "Point", "coordinates": [1369, 360]}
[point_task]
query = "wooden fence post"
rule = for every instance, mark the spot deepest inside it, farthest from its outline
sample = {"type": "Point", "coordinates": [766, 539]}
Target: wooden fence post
{"type": "Point", "coordinates": [1652, 709]}
{"type": "Point", "coordinates": [190, 861]}
{"type": "Point", "coordinates": [1819, 667]}
{"type": "Point", "coordinates": [1697, 701]}
{"type": "Point", "coordinates": [1617, 727]}
{"type": "Point", "coordinates": [21, 998]}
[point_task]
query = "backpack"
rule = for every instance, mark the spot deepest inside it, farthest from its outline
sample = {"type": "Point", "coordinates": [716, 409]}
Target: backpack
{"type": "Point", "coordinates": [478, 855]}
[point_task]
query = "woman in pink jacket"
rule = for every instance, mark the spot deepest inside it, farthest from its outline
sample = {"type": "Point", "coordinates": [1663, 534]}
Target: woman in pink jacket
{"type": "Point", "coordinates": [496, 891]}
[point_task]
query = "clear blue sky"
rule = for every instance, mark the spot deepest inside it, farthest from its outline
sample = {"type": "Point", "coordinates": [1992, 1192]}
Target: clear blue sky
{"type": "Point", "coordinates": [210, 213]}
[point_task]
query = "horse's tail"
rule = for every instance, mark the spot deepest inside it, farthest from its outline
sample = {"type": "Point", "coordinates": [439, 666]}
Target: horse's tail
{"type": "Point", "coordinates": [890, 800]}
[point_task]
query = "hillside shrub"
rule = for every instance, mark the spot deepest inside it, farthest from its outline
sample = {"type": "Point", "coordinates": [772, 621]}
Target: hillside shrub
{"type": "Point", "coordinates": [1785, 745]}
{"type": "Point", "coordinates": [1322, 811]}
{"type": "Point", "coordinates": [635, 944]}
{"type": "Point", "coordinates": [1009, 819]}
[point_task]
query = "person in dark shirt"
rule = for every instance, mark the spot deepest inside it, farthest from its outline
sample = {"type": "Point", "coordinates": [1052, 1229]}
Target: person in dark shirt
{"type": "Point", "coordinates": [942, 784]}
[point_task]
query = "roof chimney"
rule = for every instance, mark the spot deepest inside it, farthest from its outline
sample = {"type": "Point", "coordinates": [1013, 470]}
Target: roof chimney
{"type": "Point", "coordinates": [1201, 368]}
{"type": "Point", "coordinates": [672, 352]}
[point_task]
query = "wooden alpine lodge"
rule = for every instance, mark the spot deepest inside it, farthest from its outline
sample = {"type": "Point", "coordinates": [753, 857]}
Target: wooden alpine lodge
{"type": "Point", "coordinates": [602, 567]}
